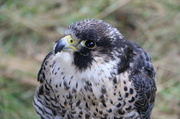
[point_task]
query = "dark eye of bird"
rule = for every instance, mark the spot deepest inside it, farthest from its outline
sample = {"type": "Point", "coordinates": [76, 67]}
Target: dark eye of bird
{"type": "Point", "coordinates": [90, 44]}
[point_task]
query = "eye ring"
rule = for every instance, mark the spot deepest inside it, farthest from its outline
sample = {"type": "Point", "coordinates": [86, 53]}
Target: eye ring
{"type": "Point", "coordinates": [88, 44]}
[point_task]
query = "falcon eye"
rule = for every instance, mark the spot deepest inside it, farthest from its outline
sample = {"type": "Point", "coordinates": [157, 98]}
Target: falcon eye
{"type": "Point", "coordinates": [88, 44]}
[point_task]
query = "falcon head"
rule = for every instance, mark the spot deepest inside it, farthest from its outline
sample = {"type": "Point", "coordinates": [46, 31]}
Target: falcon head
{"type": "Point", "coordinates": [90, 41]}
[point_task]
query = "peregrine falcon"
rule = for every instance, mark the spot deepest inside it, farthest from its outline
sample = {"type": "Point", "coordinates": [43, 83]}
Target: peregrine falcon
{"type": "Point", "coordinates": [93, 72]}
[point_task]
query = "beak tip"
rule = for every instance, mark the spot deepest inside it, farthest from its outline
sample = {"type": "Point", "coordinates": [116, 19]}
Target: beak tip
{"type": "Point", "coordinates": [58, 47]}
{"type": "Point", "coordinates": [55, 51]}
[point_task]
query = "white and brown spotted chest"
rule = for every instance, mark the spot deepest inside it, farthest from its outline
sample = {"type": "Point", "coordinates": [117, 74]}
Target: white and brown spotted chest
{"type": "Point", "coordinates": [97, 92]}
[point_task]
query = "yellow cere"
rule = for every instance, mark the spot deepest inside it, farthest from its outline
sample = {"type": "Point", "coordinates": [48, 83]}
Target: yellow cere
{"type": "Point", "coordinates": [70, 39]}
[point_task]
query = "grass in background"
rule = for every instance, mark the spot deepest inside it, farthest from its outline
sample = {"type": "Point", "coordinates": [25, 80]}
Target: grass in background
{"type": "Point", "coordinates": [29, 28]}
{"type": "Point", "coordinates": [16, 100]}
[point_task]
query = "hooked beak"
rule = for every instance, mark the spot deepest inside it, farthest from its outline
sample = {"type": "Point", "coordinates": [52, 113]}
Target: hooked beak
{"type": "Point", "coordinates": [66, 43]}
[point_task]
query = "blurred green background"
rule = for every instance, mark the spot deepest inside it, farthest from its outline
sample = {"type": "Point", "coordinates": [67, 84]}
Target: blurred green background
{"type": "Point", "coordinates": [28, 29]}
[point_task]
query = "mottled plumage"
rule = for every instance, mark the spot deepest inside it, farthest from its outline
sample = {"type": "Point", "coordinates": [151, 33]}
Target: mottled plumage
{"type": "Point", "coordinates": [94, 73]}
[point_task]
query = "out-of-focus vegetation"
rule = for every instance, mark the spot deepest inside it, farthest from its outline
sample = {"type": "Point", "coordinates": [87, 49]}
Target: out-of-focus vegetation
{"type": "Point", "coordinates": [28, 29]}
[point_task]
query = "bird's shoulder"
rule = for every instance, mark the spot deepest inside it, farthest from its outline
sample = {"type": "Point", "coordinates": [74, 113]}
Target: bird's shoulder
{"type": "Point", "coordinates": [142, 75]}
{"type": "Point", "coordinates": [42, 73]}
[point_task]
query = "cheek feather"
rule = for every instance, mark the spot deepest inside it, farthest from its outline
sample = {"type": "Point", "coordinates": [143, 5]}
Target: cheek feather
{"type": "Point", "coordinates": [65, 56]}
{"type": "Point", "coordinates": [82, 62]}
